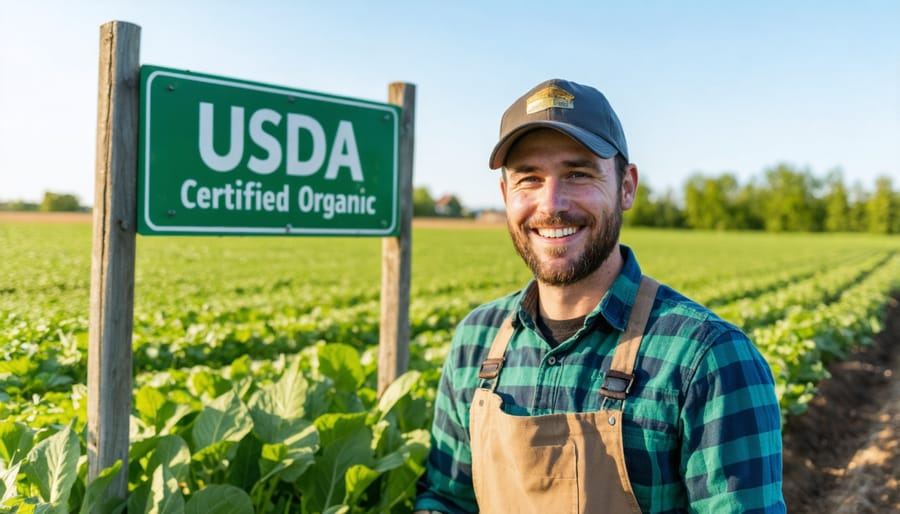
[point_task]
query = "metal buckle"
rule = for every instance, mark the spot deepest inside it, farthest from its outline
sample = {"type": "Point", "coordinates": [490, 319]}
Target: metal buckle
{"type": "Point", "coordinates": [490, 368]}
{"type": "Point", "coordinates": [617, 384]}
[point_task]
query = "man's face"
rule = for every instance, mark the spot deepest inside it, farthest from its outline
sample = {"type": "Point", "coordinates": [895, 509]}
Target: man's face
{"type": "Point", "coordinates": [563, 205]}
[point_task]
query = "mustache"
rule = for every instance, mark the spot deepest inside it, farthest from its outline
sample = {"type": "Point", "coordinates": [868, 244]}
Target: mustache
{"type": "Point", "coordinates": [556, 220]}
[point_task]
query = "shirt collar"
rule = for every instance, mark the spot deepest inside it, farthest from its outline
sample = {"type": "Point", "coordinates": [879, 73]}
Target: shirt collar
{"type": "Point", "coordinates": [614, 307]}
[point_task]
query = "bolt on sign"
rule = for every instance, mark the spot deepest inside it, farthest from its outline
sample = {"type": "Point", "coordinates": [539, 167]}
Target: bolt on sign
{"type": "Point", "coordinates": [223, 156]}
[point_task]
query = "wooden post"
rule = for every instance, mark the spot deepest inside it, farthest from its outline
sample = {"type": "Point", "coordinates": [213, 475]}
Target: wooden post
{"type": "Point", "coordinates": [396, 255]}
{"type": "Point", "coordinates": [112, 260]}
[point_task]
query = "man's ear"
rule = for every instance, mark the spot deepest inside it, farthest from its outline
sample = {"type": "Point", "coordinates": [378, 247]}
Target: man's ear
{"type": "Point", "coordinates": [629, 186]}
{"type": "Point", "coordinates": [503, 186]}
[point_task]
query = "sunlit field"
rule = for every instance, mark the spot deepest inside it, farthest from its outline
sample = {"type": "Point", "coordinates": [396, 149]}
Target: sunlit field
{"type": "Point", "coordinates": [273, 341]}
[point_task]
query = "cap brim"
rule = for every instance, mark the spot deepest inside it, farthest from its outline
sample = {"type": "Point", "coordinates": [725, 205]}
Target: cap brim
{"type": "Point", "coordinates": [589, 140]}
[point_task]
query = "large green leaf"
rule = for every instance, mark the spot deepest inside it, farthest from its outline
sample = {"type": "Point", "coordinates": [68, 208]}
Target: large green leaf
{"type": "Point", "coordinates": [15, 441]}
{"type": "Point", "coordinates": [346, 441]}
{"type": "Point", "coordinates": [278, 409]}
{"type": "Point", "coordinates": [8, 482]}
{"type": "Point", "coordinates": [358, 478]}
{"type": "Point", "coordinates": [399, 388]}
{"type": "Point", "coordinates": [139, 498]}
{"type": "Point", "coordinates": [243, 470]}
{"type": "Point", "coordinates": [95, 500]}
{"type": "Point", "coordinates": [214, 459]}
{"type": "Point", "coordinates": [52, 465]}
{"type": "Point", "coordinates": [171, 451]}
{"type": "Point", "coordinates": [204, 383]}
{"type": "Point", "coordinates": [399, 481]}
{"type": "Point", "coordinates": [157, 411]}
{"type": "Point", "coordinates": [341, 362]}
{"type": "Point", "coordinates": [165, 495]}
{"type": "Point", "coordinates": [226, 418]}
{"type": "Point", "coordinates": [219, 499]}
{"type": "Point", "coordinates": [289, 462]}
{"type": "Point", "coordinates": [409, 410]}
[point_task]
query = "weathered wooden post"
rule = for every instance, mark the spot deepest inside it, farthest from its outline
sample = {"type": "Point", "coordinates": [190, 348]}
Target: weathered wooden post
{"type": "Point", "coordinates": [113, 254]}
{"type": "Point", "coordinates": [396, 260]}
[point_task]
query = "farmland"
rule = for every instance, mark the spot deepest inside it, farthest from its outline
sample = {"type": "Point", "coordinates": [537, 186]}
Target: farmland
{"type": "Point", "coordinates": [260, 352]}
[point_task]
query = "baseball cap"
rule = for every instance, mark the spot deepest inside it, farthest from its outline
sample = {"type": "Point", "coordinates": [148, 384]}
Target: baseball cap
{"type": "Point", "coordinates": [579, 111]}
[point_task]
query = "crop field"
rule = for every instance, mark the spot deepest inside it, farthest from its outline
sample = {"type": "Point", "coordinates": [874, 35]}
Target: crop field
{"type": "Point", "coordinates": [255, 358]}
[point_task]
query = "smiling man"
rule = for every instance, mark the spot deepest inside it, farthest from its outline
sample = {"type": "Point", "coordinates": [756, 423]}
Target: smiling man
{"type": "Point", "coordinates": [595, 388]}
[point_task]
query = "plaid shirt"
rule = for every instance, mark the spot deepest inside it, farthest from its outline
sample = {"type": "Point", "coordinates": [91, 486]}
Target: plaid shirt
{"type": "Point", "coordinates": [702, 426]}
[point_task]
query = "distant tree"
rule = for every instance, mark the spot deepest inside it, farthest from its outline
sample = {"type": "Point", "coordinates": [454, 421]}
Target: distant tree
{"type": "Point", "coordinates": [55, 202]}
{"type": "Point", "coordinates": [837, 204]}
{"type": "Point", "coordinates": [858, 200]}
{"type": "Point", "coordinates": [649, 212]}
{"type": "Point", "coordinates": [695, 202]}
{"type": "Point", "coordinates": [423, 203]}
{"type": "Point", "coordinates": [710, 202]}
{"type": "Point", "coordinates": [880, 208]}
{"type": "Point", "coordinates": [669, 213]}
{"type": "Point", "coordinates": [789, 200]}
{"type": "Point", "coordinates": [747, 212]}
{"type": "Point", "coordinates": [19, 205]}
{"type": "Point", "coordinates": [896, 227]}
{"type": "Point", "coordinates": [643, 212]}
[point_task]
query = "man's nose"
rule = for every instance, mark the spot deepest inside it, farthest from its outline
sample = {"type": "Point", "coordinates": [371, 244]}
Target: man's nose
{"type": "Point", "coordinates": [554, 198]}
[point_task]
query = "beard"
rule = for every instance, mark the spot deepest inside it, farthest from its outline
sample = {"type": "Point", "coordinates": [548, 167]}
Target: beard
{"type": "Point", "coordinates": [601, 241]}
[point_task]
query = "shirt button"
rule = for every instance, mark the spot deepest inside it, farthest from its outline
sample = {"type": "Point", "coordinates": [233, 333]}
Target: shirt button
{"type": "Point", "coordinates": [551, 360]}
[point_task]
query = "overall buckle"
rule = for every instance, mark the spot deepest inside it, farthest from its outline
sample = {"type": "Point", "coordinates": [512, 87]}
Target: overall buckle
{"type": "Point", "coordinates": [490, 368]}
{"type": "Point", "coordinates": [617, 384]}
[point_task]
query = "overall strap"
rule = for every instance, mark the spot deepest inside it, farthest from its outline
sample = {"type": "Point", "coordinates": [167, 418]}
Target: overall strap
{"type": "Point", "coordinates": [490, 368]}
{"type": "Point", "coordinates": [620, 376]}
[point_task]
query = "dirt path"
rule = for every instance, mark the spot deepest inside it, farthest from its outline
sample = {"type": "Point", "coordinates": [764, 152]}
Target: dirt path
{"type": "Point", "coordinates": [44, 217]}
{"type": "Point", "coordinates": [843, 456]}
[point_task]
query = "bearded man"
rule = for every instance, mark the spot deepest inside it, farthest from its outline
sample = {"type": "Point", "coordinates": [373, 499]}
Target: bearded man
{"type": "Point", "coordinates": [595, 388]}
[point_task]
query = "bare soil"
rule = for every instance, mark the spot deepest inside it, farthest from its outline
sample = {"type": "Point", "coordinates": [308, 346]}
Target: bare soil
{"type": "Point", "coordinates": [86, 217]}
{"type": "Point", "coordinates": [44, 217]}
{"type": "Point", "coordinates": [843, 455]}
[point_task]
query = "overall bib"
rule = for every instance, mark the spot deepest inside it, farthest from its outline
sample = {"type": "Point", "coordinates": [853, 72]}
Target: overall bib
{"type": "Point", "coordinates": [556, 463]}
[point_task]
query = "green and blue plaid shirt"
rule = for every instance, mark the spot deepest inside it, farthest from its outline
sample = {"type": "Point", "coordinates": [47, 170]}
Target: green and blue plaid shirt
{"type": "Point", "coordinates": [702, 426]}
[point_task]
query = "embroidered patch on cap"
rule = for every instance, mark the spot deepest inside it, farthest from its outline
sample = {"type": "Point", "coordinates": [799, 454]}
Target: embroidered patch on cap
{"type": "Point", "coordinates": [549, 97]}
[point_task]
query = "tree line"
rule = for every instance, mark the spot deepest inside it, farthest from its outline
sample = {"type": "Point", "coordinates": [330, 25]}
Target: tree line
{"type": "Point", "coordinates": [52, 202]}
{"type": "Point", "coordinates": [784, 199]}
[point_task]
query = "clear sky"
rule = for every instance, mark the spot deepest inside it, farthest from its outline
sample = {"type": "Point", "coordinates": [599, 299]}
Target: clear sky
{"type": "Point", "coordinates": [700, 86]}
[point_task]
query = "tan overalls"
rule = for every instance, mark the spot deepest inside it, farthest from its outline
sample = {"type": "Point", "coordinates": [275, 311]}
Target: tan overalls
{"type": "Point", "coordinates": [556, 463]}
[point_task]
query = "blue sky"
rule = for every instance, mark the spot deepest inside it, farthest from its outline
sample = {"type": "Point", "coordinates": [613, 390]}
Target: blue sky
{"type": "Point", "coordinates": [700, 86]}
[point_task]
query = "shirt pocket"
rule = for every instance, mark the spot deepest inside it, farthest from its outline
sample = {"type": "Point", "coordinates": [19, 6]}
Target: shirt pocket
{"type": "Point", "coordinates": [650, 435]}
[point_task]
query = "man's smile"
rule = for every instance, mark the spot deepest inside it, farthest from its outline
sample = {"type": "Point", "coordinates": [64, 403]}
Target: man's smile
{"type": "Point", "coordinates": [556, 233]}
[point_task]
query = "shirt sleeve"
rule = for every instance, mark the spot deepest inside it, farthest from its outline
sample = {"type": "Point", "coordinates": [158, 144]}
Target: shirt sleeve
{"type": "Point", "coordinates": [731, 453]}
{"type": "Point", "coordinates": [446, 485]}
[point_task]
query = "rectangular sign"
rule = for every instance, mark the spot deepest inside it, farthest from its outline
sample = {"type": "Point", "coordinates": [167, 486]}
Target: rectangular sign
{"type": "Point", "coordinates": [224, 156]}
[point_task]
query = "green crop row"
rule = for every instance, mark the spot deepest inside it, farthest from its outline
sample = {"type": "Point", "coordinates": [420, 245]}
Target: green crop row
{"type": "Point", "coordinates": [822, 288]}
{"type": "Point", "coordinates": [305, 434]}
{"type": "Point", "coordinates": [223, 326]}
{"type": "Point", "coordinates": [800, 346]}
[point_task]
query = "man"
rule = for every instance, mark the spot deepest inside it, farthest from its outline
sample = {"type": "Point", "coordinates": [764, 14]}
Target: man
{"type": "Point", "coordinates": [594, 389]}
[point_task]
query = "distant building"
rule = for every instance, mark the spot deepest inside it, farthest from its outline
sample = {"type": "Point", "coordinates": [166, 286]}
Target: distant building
{"type": "Point", "coordinates": [448, 205]}
{"type": "Point", "coordinates": [491, 216]}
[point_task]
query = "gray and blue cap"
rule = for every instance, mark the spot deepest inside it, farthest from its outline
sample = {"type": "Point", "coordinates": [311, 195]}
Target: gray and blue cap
{"type": "Point", "coordinates": [579, 111]}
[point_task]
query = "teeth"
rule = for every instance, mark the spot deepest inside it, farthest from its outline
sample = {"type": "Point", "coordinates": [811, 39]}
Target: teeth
{"type": "Point", "coordinates": [557, 232]}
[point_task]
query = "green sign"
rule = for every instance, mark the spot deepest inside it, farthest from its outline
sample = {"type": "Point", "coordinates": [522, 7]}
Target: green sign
{"type": "Point", "coordinates": [224, 156]}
